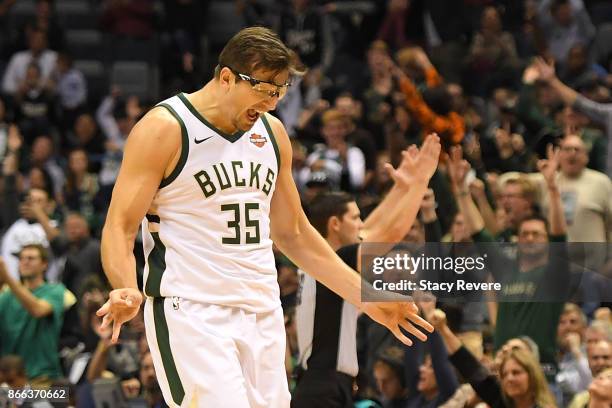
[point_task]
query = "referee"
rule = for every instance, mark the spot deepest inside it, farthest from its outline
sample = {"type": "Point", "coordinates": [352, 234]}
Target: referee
{"type": "Point", "coordinates": [326, 325]}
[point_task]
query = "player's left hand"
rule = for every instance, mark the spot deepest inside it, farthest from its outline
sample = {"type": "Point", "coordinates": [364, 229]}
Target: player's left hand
{"type": "Point", "coordinates": [394, 315]}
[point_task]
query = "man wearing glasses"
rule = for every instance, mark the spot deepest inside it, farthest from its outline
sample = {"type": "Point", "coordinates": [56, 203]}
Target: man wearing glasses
{"type": "Point", "coordinates": [31, 316]}
{"type": "Point", "coordinates": [209, 176]}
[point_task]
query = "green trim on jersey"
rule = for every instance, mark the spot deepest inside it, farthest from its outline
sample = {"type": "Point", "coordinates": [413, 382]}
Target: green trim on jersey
{"type": "Point", "coordinates": [157, 266]}
{"type": "Point", "coordinates": [184, 148]}
{"type": "Point", "coordinates": [163, 343]}
{"type": "Point", "coordinates": [273, 138]}
{"type": "Point", "coordinates": [198, 115]}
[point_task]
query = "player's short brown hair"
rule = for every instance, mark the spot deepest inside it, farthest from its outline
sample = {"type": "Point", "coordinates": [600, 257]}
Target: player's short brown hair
{"type": "Point", "coordinates": [255, 48]}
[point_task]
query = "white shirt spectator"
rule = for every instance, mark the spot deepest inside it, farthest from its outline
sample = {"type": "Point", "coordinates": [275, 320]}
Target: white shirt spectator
{"type": "Point", "coordinates": [333, 166]}
{"type": "Point", "coordinates": [19, 234]}
{"type": "Point", "coordinates": [72, 89]}
{"type": "Point", "coordinates": [17, 66]}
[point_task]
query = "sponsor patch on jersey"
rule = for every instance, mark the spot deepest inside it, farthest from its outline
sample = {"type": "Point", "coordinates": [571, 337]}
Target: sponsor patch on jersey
{"type": "Point", "coordinates": [258, 140]}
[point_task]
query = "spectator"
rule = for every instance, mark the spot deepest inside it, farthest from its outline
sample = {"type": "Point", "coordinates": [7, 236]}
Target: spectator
{"type": "Point", "coordinates": [574, 375]}
{"type": "Point", "coordinates": [538, 273]}
{"type": "Point", "coordinates": [150, 389]}
{"type": "Point", "coordinates": [116, 119]}
{"type": "Point", "coordinates": [26, 230]}
{"type": "Point", "coordinates": [577, 69]}
{"type": "Point", "coordinates": [598, 330]}
{"type": "Point", "coordinates": [82, 254]}
{"type": "Point", "coordinates": [46, 20]}
{"type": "Point", "coordinates": [42, 155]}
{"type": "Point", "coordinates": [81, 187]}
{"type": "Point", "coordinates": [518, 199]}
{"type": "Point", "coordinates": [492, 54]}
{"type": "Point", "coordinates": [121, 360]}
{"type": "Point", "coordinates": [33, 105]}
{"type": "Point", "coordinates": [600, 113]}
{"type": "Point", "coordinates": [599, 393]}
{"type": "Point", "coordinates": [390, 379]}
{"type": "Point", "coordinates": [521, 381]}
{"type": "Point", "coordinates": [37, 307]}
{"type": "Point", "coordinates": [564, 23]}
{"type": "Point", "coordinates": [343, 163]}
{"type": "Point", "coordinates": [37, 53]}
{"type": "Point", "coordinates": [308, 32]}
{"type": "Point", "coordinates": [13, 372]}
{"type": "Point", "coordinates": [357, 135]}
{"type": "Point", "coordinates": [86, 135]}
{"type": "Point", "coordinates": [587, 203]}
{"type": "Point", "coordinates": [71, 88]}
{"type": "Point", "coordinates": [433, 111]}
{"type": "Point", "coordinates": [436, 380]}
{"type": "Point", "coordinates": [511, 153]}
{"type": "Point", "coordinates": [600, 357]}
{"type": "Point", "coordinates": [440, 26]}
{"type": "Point", "coordinates": [377, 97]}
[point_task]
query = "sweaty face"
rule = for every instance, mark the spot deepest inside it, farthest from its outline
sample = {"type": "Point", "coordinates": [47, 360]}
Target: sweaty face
{"type": "Point", "coordinates": [250, 101]}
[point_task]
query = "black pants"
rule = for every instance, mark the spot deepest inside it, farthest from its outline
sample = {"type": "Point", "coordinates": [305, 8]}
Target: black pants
{"type": "Point", "coordinates": [323, 388]}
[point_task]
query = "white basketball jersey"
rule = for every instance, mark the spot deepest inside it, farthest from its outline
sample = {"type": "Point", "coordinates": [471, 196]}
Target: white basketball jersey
{"type": "Point", "coordinates": [206, 236]}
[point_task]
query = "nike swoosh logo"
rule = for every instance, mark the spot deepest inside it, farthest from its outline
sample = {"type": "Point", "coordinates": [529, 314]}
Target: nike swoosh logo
{"type": "Point", "coordinates": [201, 140]}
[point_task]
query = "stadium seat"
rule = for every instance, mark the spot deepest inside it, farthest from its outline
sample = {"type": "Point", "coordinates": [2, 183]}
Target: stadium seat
{"type": "Point", "coordinates": [133, 78]}
{"type": "Point", "coordinates": [86, 44]}
{"type": "Point", "coordinates": [96, 76]}
{"type": "Point", "coordinates": [132, 49]}
{"type": "Point", "coordinates": [76, 14]}
{"type": "Point", "coordinates": [222, 22]}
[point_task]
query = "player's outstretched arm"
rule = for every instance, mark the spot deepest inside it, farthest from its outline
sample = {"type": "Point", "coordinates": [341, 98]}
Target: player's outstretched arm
{"type": "Point", "coordinates": [296, 238]}
{"type": "Point", "coordinates": [150, 152]}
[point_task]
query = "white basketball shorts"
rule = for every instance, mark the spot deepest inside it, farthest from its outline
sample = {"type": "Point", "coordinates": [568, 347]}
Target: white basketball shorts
{"type": "Point", "coordinates": [216, 356]}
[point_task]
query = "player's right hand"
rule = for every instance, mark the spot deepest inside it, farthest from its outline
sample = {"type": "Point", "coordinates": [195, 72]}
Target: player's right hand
{"type": "Point", "coordinates": [122, 305]}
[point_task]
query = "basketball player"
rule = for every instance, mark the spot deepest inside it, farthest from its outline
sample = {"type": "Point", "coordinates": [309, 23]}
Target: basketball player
{"type": "Point", "coordinates": [209, 176]}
